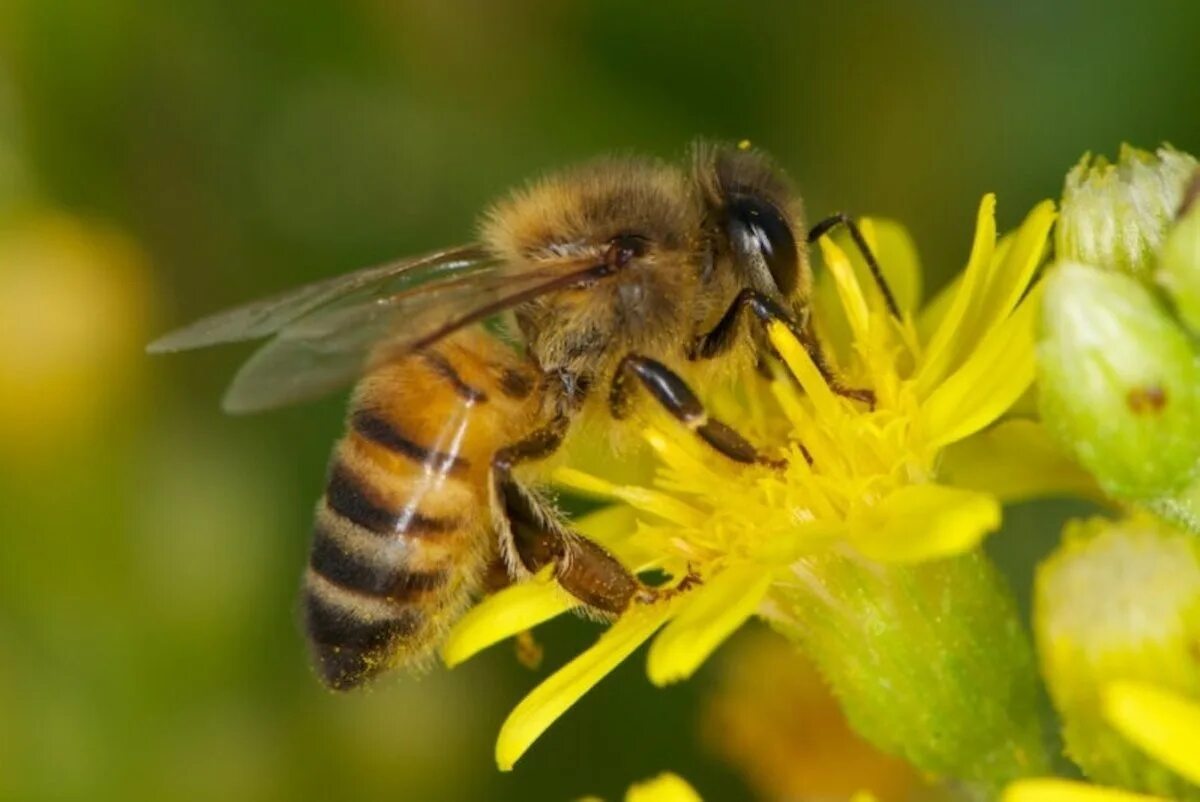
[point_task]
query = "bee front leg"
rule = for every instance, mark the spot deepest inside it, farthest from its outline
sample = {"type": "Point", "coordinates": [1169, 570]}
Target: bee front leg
{"type": "Point", "coordinates": [764, 310]}
{"type": "Point", "coordinates": [677, 398]}
{"type": "Point", "coordinates": [533, 535]}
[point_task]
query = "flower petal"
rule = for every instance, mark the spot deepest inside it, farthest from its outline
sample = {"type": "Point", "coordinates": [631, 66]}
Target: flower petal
{"type": "Point", "coordinates": [548, 701]}
{"type": "Point", "coordinates": [1015, 460]}
{"type": "Point", "coordinates": [1010, 279]}
{"type": "Point", "coordinates": [946, 345]}
{"type": "Point", "coordinates": [663, 505]}
{"type": "Point", "coordinates": [849, 291]}
{"type": "Point", "coordinates": [503, 614]}
{"type": "Point", "coordinates": [923, 522]}
{"type": "Point", "coordinates": [1164, 724]}
{"type": "Point", "coordinates": [1048, 790]}
{"type": "Point", "coordinates": [607, 525]}
{"type": "Point", "coordinates": [897, 256]}
{"type": "Point", "coordinates": [711, 613]}
{"type": "Point", "coordinates": [666, 787]}
{"type": "Point", "coordinates": [991, 380]}
{"type": "Point", "coordinates": [802, 367]}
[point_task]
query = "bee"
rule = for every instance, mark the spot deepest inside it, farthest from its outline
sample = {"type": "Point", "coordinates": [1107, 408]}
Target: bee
{"type": "Point", "coordinates": [618, 278]}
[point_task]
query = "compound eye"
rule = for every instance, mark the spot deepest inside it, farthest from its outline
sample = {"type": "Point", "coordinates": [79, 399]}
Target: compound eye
{"type": "Point", "coordinates": [758, 230]}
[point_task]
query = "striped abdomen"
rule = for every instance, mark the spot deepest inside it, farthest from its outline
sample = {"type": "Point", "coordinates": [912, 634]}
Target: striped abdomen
{"type": "Point", "coordinates": [402, 534]}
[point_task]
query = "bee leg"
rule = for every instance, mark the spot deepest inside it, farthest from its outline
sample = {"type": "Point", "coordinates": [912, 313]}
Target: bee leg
{"type": "Point", "coordinates": [724, 335]}
{"type": "Point", "coordinates": [842, 219]}
{"type": "Point", "coordinates": [533, 535]}
{"type": "Point", "coordinates": [678, 399]}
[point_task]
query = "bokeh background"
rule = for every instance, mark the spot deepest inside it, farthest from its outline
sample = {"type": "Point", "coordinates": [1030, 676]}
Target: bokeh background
{"type": "Point", "coordinates": [159, 160]}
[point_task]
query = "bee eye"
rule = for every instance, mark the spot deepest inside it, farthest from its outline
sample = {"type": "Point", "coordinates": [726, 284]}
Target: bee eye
{"type": "Point", "coordinates": [757, 230]}
{"type": "Point", "coordinates": [624, 248]}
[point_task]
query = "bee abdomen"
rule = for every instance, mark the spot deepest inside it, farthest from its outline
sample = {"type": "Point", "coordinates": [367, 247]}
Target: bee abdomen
{"type": "Point", "coordinates": [355, 642]}
{"type": "Point", "coordinates": [377, 581]}
{"type": "Point", "coordinates": [347, 496]}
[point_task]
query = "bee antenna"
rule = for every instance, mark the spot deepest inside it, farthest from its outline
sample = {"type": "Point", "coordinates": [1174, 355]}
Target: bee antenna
{"type": "Point", "coordinates": [841, 218]}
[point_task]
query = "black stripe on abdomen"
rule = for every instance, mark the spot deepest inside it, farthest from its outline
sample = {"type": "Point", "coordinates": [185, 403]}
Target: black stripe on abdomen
{"type": "Point", "coordinates": [442, 366]}
{"type": "Point", "coordinates": [358, 573]}
{"type": "Point", "coordinates": [349, 649]}
{"type": "Point", "coordinates": [348, 496]}
{"type": "Point", "coordinates": [379, 431]}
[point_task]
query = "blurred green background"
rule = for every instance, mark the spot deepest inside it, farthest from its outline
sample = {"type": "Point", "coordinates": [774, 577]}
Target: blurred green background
{"type": "Point", "coordinates": [160, 160]}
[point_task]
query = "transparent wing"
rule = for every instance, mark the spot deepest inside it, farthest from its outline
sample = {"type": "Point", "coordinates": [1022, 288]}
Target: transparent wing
{"type": "Point", "coordinates": [329, 347]}
{"type": "Point", "coordinates": [271, 315]}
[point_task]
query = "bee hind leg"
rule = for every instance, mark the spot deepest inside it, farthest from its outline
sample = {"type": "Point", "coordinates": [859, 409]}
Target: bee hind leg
{"type": "Point", "coordinates": [533, 535]}
{"type": "Point", "coordinates": [673, 393]}
{"type": "Point", "coordinates": [765, 311]}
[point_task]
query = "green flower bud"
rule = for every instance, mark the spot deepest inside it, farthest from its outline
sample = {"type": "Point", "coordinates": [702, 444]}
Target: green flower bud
{"type": "Point", "coordinates": [930, 662]}
{"type": "Point", "coordinates": [1119, 382]}
{"type": "Point", "coordinates": [1118, 601]}
{"type": "Point", "coordinates": [1116, 215]}
{"type": "Point", "coordinates": [1181, 508]}
{"type": "Point", "coordinates": [1179, 260]}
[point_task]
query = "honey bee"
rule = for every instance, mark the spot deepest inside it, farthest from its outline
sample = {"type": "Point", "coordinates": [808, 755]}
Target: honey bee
{"type": "Point", "coordinates": [619, 276]}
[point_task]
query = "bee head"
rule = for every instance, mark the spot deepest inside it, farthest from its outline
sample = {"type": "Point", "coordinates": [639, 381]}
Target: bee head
{"type": "Point", "coordinates": [754, 219]}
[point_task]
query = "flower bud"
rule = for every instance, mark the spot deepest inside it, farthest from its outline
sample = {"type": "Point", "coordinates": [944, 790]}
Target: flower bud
{"type": "Point", "coordinates": [1119, 382]}
{"type": "Point", "coordinates": [1179, 260]}
{"type": "Point", "coordinates": [930, 661]}
{"type": "Point", "coordinates": [1181, 508]}
{"type": "Point", "coordinates": [1116, 215]}
{"type": "Point", "coordinates": [1118, 601]}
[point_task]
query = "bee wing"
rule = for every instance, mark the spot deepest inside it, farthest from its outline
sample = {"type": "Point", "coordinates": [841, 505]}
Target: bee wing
{"type": "Point", "coordinates": [271, 315]}
{"type": "Point", "coordinates": [332, 346]}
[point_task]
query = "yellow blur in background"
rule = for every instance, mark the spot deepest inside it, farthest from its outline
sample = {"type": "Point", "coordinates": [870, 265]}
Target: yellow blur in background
{"type": "Point", "coordinates": [162, 160]}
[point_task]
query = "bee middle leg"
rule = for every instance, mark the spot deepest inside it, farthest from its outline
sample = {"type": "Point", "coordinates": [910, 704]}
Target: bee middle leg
{"type": "Point", "coordinates": [724, 335]}
{"type": "Point", "coordinates": [533, 535]}
{"type": "Point", "coordinates": [673, 393]}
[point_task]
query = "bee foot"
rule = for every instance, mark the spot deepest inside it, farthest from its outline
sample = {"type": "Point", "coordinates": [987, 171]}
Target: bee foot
{"type": "Point", "coordinates": [651, 595]}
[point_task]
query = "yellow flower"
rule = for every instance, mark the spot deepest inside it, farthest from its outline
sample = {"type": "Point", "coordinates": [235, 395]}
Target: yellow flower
{"type": "Point", "coordinates": [666, 787]}
{"type": "Point", "coordinates": [74, 300]}
{"type": "Point", "coordinates": [1164, 724]}
{"type": "Point", "coordinates": [855, 478]}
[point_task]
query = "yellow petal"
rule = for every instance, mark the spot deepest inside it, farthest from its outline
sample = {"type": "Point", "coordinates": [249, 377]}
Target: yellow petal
{"type": "Point", "coordinates": [922, 522]}
{"type": "Point", "coordinates": [607, 525]}
{"type": "Point", "coordinates": [548, 701]}
{"type": "Point", "coordinates": [897, 256]}
{"type": "Point", "coordinates": [1010, 279]}
{"type": "Point", "coordinates": [945, 346]}
{"type": "Point", "coordinates": [1164, 724]}
{"type": "Point", "coordinates": [666, 787]}
{"type": "Point", "coordinates": [802, 367]}
{"type": "Point", "coordinates": [663, 505]}
{"type": "Point", "coordinates": [1048, 790]}
{"type": "Point", "coordinates": [849, 291]}
{"type": "Point", "coordinates": [1015, 460]}
{"type": "Point", "coordinates": [829, 319]}
{"type": "Point", "coordinates": [709, 615]}
{"type": "Point", "coordinates": [991, 380]}
{"type": "Point", "coordinates": [515, 609]}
